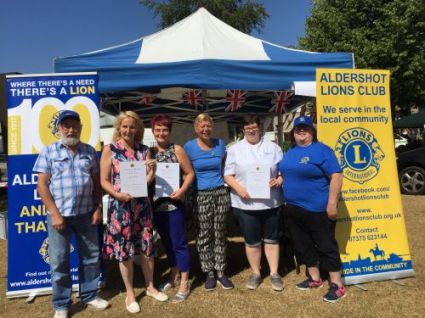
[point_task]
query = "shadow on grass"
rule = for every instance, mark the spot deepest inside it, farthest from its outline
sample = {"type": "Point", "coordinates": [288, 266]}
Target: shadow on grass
{"type": "Point", "coordinates": [236, 259]}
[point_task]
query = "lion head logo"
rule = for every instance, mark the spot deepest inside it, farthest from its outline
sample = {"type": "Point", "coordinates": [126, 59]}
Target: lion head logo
{"type": "Point", "coordinates": [44, 250]}
{"type": "Point", "coordinates": [52, 126]}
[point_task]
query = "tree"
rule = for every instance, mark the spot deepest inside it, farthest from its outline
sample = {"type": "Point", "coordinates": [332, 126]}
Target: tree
{"type": "Point", "coordinates": [242, 15]}
{"type": "Point", "coordinates": [382, 34]}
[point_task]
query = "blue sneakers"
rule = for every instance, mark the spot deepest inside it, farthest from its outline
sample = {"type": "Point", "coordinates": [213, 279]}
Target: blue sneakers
{"type": "Point", "coordinates": [225, 282]}
{"type": "Point", "coordinates": [210, 283]}
{"type": "Point", "coordinates": [335, 293]}
{"type": "Point", "coordinates": [310, 284]}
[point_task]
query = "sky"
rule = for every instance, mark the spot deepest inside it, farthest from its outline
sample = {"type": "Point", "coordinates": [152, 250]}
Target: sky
{"type": "Point", "coordinates": [34, 32]}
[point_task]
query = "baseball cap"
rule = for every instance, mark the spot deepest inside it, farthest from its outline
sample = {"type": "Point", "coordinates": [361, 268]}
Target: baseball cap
{"type": "Point", "coordinates": [67, 114]}
{"type": "Point", "coordinates": [303, 120]}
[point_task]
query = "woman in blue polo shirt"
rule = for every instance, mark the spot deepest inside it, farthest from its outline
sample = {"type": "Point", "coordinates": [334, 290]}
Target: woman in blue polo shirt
{"type": "Point", "coordinates": [312, 182]}
{"type": "Point", "coordinates": [211, 202]}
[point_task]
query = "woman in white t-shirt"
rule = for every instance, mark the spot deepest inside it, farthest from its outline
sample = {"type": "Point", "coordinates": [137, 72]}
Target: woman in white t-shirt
{"type": "Point", "coordinates": [254, 199]}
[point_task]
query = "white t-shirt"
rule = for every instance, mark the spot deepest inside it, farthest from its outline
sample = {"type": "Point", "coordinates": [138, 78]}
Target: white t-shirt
{"type": "Point", "coordinates": [242, 155]}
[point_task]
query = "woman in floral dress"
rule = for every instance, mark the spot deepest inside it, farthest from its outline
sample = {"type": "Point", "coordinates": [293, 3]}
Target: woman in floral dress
{"type": "Point", "coordinates": [129, 230]}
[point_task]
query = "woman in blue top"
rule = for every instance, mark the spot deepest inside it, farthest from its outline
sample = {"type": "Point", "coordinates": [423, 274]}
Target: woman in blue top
{"type": "Point", "coordinates": [312, 167]}
{"type": "Point", "coordinates": [211, 202]}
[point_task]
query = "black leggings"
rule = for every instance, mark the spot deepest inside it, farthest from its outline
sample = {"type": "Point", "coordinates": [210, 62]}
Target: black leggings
{"type": "Point", "coordinates": [313, 236]}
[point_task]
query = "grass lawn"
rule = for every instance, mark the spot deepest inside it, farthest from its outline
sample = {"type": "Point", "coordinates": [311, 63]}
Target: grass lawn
{"type": "Point", "coordinates": [382, 299]}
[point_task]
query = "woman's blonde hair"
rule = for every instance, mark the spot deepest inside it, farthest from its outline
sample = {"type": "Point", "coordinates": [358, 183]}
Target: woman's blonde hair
{"type": "Point", "coordinates": [139, 125]}
{"type": "Point", "coordinates": [202, 117]}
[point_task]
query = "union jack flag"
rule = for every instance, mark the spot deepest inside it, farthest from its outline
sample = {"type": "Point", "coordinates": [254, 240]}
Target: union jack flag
{"type": "Point", "coordinates": [236, 98]}
{"type": "Point", "coordinates": [280, 101]}
{"type": "Point", "coordinates": [147, 100]}
{"type": "Point", "coordinates": [193, 97]}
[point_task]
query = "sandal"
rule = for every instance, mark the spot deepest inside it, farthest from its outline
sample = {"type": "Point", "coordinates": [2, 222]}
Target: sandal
{"type": "Point", "coordinates": [180, 297]}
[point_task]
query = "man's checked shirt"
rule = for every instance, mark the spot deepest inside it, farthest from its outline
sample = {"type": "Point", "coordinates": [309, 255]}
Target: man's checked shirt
{"type": "Point", "coordinates": [71, 183]}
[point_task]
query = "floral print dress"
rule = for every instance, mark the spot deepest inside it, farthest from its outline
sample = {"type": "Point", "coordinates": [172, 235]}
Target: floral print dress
{"type": "Point", "coordinates": [129, 230]}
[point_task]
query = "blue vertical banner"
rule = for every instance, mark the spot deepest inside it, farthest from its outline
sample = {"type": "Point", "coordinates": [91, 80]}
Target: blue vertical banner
{"type": "Point", "coordinates": [34, 103]}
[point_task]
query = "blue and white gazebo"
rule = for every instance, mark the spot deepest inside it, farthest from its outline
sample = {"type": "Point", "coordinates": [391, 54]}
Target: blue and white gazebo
{"type": "Point", "coordinates": [199, 52]}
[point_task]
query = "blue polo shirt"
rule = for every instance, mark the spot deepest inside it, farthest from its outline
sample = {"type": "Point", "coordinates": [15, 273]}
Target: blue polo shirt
{"type": "Point", "coordinates": [305, 172]}
{"type": "Point", "coordinates": [208, 165]}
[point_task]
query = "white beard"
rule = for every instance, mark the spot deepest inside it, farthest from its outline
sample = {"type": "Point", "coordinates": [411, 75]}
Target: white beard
{"type": "Point", "coordinates": [70, 141]}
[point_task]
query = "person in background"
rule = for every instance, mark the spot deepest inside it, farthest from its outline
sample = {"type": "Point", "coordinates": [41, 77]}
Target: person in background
{"type": "Point", "coordinates": [169, 214]}
{"type": "Point", "coordinates": [312, 181]}
{"type": "Point", "coordinates": [258, 218]}
{"type": "Point", "coordinates": [68, 184]}
{"type": "Point", "coordinates": [211, 202]}
{"type": "Point", "coordinates": [129, 229]}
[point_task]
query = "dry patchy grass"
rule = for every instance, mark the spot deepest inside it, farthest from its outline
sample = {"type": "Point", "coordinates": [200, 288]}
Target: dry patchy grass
{"type": "Point", "coordinates": [383, 299]}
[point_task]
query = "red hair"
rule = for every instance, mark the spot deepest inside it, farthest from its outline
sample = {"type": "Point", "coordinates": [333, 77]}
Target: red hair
{"type": "Point", "coordinates": [161, 120]}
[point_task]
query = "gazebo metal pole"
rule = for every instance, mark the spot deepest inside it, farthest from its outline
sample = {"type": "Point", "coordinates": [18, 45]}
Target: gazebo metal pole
{"type": "Point", "coordinates": [204, 100]}
{"type": "Point", "coordinates": [279, 130]}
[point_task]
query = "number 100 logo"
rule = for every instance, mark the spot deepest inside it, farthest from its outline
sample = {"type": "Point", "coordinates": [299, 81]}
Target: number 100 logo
{"type": "Point", "coordinates": [30, 126]}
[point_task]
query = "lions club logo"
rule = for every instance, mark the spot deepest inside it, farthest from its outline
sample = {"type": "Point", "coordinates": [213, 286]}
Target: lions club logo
{"type": "Point", "coordinates": [44, 250]}
{"type": "Point", "coordinates": [359, 154]}
{"type": "Point", "coordinates": [52, 125]}
{"type": "Point", "coordinates": [305, 160]}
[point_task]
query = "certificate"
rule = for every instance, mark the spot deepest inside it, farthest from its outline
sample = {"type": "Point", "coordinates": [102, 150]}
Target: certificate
{"type": "Point", "coordinates": [257, 180]}
{"type": "Point", "coordinates": [167, 179]}
{"type": "Point", "coordinates": [133, 178]}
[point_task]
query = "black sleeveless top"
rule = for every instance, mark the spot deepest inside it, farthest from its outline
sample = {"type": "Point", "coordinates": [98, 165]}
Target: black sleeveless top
{"type": "Point", "coordinates": [168, 155]}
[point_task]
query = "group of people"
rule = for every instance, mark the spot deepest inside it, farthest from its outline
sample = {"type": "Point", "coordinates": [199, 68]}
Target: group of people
{"type": "Point", "coordinates": [306, 181]}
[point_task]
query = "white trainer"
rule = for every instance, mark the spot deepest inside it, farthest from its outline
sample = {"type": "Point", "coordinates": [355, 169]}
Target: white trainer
{"type": "Point", "coordinates": [61, 314]}
{"type": "Point", "coordinates": [98, 303]}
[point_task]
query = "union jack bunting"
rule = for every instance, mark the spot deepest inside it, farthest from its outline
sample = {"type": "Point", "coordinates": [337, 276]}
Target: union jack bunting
{"type": "Point", "coordinates": [147, 100]}
{"type": "Point", "coordinates": [280, 101]}
{"type": "Point", "coordinates": [236, 98]}
{"type": "Point", "coordinates": [193, 97]}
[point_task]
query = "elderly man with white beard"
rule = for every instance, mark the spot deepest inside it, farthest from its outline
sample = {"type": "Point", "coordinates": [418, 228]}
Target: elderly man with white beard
{"type": "Point", "coordinates": [69, 186]}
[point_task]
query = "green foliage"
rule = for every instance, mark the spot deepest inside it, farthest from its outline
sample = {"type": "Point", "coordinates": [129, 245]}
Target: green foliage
{"type": "Point", "coordinates": [242, 15]}
{"type": "Point", "coordinates": [382, 34]}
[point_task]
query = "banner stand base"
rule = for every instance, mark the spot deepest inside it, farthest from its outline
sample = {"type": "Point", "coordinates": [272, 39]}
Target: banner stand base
{"type": "Point", "coordinates": [360, 286]}
{"type": "Point", "coordinates": [398, 282]}
{"type": "Point", "coordinates": [31, 298]}
{"type": "Point", "coordinates": [395, 281]}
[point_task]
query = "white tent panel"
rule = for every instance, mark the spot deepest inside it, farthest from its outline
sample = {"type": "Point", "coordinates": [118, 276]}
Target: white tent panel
{"type": "Point", "coordinates": [200, 36]}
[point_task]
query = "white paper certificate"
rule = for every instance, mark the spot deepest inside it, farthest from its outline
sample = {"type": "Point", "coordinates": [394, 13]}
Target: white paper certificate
{"type": "Point", "coordinates": [257, 180]}
{"type": "Point", "coordinates": [167, 179]}
{"type": "Point", "coordinates": [133, 178]}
